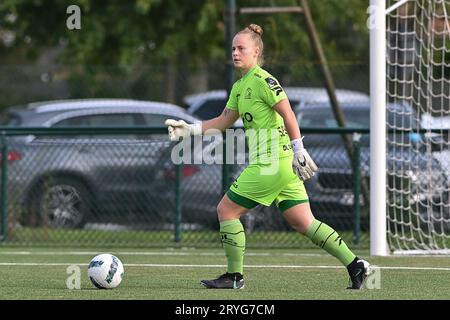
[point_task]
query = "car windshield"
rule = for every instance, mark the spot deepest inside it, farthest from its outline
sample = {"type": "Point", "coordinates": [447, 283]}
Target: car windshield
{"type": "Point", "coordinates": [324, 118]}
{"type": "Point", "coordinates": [210, 109]}
{"type": "Point", "coordinates": [356, 116]}
{"type": "Point", "coordinates": [9, 119]}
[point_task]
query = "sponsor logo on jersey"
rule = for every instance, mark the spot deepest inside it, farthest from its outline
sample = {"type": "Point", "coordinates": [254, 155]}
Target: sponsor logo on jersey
{"type": "Point", "coordinates": [271, 82]}
{"type": "Point", "coordinates": [248, 93]}
{"type": "Point", "coordinates": [273, 85]}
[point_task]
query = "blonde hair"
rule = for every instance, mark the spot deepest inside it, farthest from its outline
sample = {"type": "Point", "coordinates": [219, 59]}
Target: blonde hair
{"type": "Point", "coordinates": [255, 32]}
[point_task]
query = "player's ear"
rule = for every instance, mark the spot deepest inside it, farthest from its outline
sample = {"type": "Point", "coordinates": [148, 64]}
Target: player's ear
{"type": "Point", "coordinates": [257, 51]}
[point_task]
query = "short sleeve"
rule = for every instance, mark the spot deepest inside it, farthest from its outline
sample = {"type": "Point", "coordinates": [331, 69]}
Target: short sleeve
{"type": "Point", "coordinates": [272, 92]}
{"type": "Point", "coordinates": [232, 102]}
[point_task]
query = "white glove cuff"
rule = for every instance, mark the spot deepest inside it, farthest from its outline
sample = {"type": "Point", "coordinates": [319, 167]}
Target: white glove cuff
{"type": "Point", "coordinates": [297, 144]}
{"type": "Point", "coordinates": [196, 129]}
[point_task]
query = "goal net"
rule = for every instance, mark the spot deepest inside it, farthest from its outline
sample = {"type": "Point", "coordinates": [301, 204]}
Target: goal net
{"type": "Point", "coordinates": [418, 119]}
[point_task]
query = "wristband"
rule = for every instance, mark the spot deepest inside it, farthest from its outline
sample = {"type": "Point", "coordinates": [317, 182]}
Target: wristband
{"type": "Point", "coordinates": [196, 129]}
{"type": "Point", "coordinates": [297, 144]}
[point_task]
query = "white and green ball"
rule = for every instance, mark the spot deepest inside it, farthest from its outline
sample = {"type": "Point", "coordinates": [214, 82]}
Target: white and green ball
{"type": "Point", "coordinates": [105, 271]}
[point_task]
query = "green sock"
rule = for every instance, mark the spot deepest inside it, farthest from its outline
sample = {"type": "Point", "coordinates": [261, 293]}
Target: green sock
{"type": "Point", "coordinates": [328, 239]}
{"type": "Point", "coordinates": [233, 241]}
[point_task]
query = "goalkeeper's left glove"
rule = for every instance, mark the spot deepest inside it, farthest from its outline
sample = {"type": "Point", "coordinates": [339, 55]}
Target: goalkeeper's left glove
{"type": "Point", "coordinates": [303, 166]}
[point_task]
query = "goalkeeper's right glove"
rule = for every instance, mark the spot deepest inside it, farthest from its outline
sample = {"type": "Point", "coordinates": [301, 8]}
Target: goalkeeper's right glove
{"type": "Point", "coordinates": [180, 129]}
{"type": "Point", "coordinates": [304, 167]}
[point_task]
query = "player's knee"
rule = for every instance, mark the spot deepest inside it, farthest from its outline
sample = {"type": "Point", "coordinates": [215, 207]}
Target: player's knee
{"type": "Point", "coordinates": [224, 212]}
{"type": "Point", "coordinates": [299, 227]}
{"type": "Point", "coordinates": [221, 209]}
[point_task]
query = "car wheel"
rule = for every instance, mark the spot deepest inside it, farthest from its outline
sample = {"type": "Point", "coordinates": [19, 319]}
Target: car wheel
{"type": "Point", "coordinates": [61, 202]}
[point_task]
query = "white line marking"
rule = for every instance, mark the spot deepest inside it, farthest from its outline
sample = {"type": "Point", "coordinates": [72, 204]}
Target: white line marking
{"type": "Point", "coordinates": [190, 253]}
{"type": "Point", "coordinates": [155, 265]}
{"type": "Point", "coordinates": [155, 253]}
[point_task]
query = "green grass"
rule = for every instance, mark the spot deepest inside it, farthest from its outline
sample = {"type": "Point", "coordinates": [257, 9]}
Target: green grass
{"type": "Point", "coordinates": [45, 282]}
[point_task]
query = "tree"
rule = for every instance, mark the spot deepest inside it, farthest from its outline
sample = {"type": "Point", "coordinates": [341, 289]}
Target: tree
{"type": "Point", "coordinates": [124, 32]}
{"type": "Point", "coordinates": [182, 35]}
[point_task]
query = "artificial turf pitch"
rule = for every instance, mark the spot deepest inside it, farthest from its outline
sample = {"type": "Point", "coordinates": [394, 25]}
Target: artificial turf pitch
{"type": "Point", "coordinates": [174, 274]}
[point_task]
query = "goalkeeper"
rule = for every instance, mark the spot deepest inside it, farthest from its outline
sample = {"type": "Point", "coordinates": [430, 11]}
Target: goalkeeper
{"type": "Point", "coordinates": [263, 106]}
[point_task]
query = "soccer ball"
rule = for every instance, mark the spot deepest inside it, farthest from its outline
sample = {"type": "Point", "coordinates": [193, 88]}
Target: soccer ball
{"type": "Point", "coordinates": [105, 271]}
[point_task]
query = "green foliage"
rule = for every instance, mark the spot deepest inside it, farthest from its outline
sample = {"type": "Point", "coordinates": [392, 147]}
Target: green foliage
{"type": "Point", "coordinates": [118, 40]}
{"type": "Point", "coordinates": [126, 32]}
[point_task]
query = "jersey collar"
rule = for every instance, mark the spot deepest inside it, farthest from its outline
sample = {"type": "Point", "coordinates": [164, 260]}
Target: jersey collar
{"type": "Point", "coordinates": [252, 70]}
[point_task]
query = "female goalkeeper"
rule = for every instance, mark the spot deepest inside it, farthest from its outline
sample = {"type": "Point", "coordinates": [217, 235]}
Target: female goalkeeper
{"type": "Point", "coordinates": [258, 98]}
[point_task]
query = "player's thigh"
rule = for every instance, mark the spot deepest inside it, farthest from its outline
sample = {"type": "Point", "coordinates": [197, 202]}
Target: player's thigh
{"type": "Point", "coordinates": [229, 210]}
{"type": "Point", "coordinates": [293, 202]}
{"type": "Point", "coordinates": [299, 217]}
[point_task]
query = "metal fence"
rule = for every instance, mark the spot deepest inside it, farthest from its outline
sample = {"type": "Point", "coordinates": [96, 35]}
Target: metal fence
{"type": "Point", "coordinates": [119, 187]}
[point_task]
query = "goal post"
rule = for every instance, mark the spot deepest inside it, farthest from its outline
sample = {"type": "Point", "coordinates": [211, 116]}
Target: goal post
{"type": "Point", "coordinates": [410, 118]}
{"type": "Point", "coordinates": [377, 25]}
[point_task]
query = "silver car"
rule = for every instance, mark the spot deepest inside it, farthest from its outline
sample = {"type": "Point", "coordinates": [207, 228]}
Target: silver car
{"type": "Point", "coordinates": [67, 181]}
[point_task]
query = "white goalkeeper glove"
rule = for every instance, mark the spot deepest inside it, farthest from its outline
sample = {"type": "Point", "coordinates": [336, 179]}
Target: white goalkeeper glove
{"type": "Point", "coordinates": [303, 166]}
{"type": "Point", "coordinates": [180, 129]}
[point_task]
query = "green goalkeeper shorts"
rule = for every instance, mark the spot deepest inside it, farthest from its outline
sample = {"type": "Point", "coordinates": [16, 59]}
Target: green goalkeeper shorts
{"type": "Point", "coordinates": [266, 183]}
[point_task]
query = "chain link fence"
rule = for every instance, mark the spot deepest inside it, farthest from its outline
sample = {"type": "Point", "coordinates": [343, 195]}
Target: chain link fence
{"type": "Point", "coordinates": [119, 187]}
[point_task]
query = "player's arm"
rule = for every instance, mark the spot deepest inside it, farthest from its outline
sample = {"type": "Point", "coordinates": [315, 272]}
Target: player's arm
{"type": "Point", "coordinates": [222, 122]}
{"type": "Point", "coordinates": [179, 128]}
{"type": "Point", "coordinates": [290, 121]}
{"type": "Point", "coordinates": [302, 163]}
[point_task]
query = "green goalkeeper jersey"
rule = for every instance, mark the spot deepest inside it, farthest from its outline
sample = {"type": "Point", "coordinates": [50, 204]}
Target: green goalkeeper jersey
{"type": "Point", "coordinates": [254, 96]}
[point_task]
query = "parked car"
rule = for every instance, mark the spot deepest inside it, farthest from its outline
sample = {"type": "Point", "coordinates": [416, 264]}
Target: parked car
{"type": "Point", "coordinates": [331, 190]}
{"type": "Point", "coordinates": [67, 181]}
{"type": "Point", "coordinates": [210, 104]}
{"type": "Point", "coordinates": [440, 141]}
{"type": "Point", "coordinates": [207, 105]}
{"type": "Point", "coordinates": [410, 171]}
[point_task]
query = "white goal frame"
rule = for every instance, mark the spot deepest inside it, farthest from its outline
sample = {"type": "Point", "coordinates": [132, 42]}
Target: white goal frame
{"type": "Point", "coordinates": [378, 218]}
{"type": "Point", "coordinates": [378, 13]}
